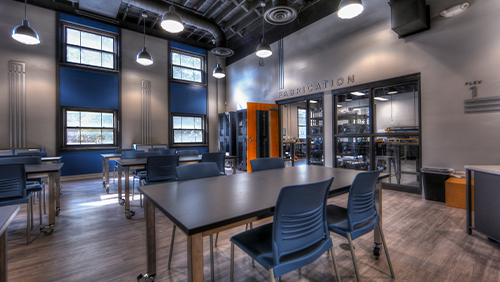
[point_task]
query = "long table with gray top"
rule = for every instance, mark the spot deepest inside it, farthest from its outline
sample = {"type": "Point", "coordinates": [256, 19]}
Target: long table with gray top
{"type": "Point", "coordinates": [206, 206]}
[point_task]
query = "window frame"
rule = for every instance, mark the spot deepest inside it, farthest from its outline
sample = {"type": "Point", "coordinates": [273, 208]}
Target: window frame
{"type": "Point", "coordinates": [64, 143]}
{"type": "Point", "coordinates": [188, 144]}
{"type": "Point", "coordinates": [82, 28]}
{"type": "Point", "coordinates": [202, 68]}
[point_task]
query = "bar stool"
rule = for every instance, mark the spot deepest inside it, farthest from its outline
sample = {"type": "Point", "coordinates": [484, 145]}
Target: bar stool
{"type": "Point", "coordinates": [388, 160]}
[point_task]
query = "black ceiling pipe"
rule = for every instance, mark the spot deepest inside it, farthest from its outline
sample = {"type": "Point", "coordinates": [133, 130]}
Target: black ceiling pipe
{"type": "Point", "coordinates": [186, 16]}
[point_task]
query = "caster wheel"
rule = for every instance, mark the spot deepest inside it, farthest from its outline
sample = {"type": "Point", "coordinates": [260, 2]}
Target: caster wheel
{"type": "Point", "coordinates": [146, 278]}
{"type": "Point", "coordinates": [121, 202]}
{"type": "Point", "coordinates": [47, 230]}
{"type": "Point", "coordinates": [129, 214]}
{"type": "Point", "coordinates": [104, 184]}
{"type": "Point", "coordinates": [58, 210]}
{"type": "Point", "coordinates": [107, 190]}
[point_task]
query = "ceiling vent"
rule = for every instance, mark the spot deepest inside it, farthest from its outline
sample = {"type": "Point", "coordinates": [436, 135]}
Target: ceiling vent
{"type": "Point", "coordinates": [107, 8]}
{"type": "Point", "coordinates": [222, 52]}
{"type": "Point", "coordinates": [409, 17]}
{"type": "Point", "coordinates": [280, 13]}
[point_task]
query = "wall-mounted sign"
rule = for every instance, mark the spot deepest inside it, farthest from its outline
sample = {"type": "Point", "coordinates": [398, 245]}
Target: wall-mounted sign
{"type": "Point", "coordinates": [316, 87]}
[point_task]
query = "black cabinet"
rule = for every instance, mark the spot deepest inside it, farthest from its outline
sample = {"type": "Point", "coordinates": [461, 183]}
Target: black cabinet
{"type": "Point", "coordinates": [227, 133]}
{"type": "Point", "coordinates": [241, 139]}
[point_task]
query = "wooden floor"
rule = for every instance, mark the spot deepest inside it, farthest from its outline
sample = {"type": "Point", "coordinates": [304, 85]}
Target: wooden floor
{"type": "Point", "coordinates": [93, 241]}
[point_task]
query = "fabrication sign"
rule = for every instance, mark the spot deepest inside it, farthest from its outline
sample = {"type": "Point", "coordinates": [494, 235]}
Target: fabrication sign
{"type": "Point", "coordinates": [316, 87]}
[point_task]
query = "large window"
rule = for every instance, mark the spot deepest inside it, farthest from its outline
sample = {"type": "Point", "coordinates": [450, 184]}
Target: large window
{"type": "Point", "coordinates": [187, 67]}
{"type": "Point", "coordinates": [189, 129]}
{"type": "Point", "coordinates": [85, 47]}
{"type": "Point", "coordinates": [89, 127]}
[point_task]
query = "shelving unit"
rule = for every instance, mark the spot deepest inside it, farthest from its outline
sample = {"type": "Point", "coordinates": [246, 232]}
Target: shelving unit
{"type": "Point", "coordinates": [241, 139]}
{"type": "Point", "coordinates": [227, 133]}
{"type": "Point", "coordinates": [315, 132]}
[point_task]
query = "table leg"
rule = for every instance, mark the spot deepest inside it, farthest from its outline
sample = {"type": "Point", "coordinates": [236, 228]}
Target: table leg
{"type": "Point", "coordinates": [120, 199]}
{"type": "Point", "coordinates": [468, 213]}
{"type": "Point", "coordinates": [149, 209]}
{"type": "Point", "coordinates": [48, 229]}
{"type": "Point", "coordinates": [3, 257]}
{"type": "Point", "coordinates": [376, 233]}
{"type": "Point", "coordinates": [292, 149]}
{"type": "Point", "coordinates": [233, 165]}
{"type": "Point", "coordinates": [104, 172]}
{"type": "Point", "coordinates": [128, 213]}
{"type": "Point", "coordinates": [58, 192]}
{"type": "Point", "coordinates": [106, 160]}
{"type": "Point", "coordinates": [195, 257]}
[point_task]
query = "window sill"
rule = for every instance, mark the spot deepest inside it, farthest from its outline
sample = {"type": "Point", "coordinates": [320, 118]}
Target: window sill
{"type": "Point", "coordinates": [88, 148]}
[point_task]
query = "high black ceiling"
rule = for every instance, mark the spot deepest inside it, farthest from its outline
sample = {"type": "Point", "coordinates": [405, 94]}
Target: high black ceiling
{"type": "Point", "coordinates": [240, 20]}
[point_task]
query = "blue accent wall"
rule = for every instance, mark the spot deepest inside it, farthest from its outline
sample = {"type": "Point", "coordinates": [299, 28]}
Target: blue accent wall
{"type": "Point", "coordinates": [188, 99]}
{"type": "Point", "coordinates": [82, 162]}
{"type": "Point", "coordinates": [188, 48]}
{"type": "Point", "coordinates": [90, 23]}
{"type": "Point", "coordinates": [88, 89]}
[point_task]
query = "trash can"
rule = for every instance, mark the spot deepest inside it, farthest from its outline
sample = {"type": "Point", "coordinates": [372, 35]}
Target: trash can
{"type": "Point", "coordinates": [433, 180]}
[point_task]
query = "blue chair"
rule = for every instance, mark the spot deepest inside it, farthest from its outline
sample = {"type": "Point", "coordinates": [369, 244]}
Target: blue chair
{"type": "Point", "coordinates": [115, 166]}
{"type": "Point", "coordinates": [13, 190]}
{"type": "Point", "coordinates": [187, 152]}
{"type": "Point", "coordinates": [219, 158]}
{"type": "Point", "coordinates": [140, 174]}
{"type": "Point", "coordinates": [361, 215]}
{"type": "Point", "coordinates": [160, 169]}
{"type": "Point", "coordinates": [168, 152]}
{"type": "Point", "coordinates": [190, 172]}
{"type": "Point", "coordinates": [156, 149]}
{"type": "Point", "coordinates": [266, 163]}
{"type": "Point", "coordinates": [32, 154]}
{"type": "Point", "coordinates": [297, 236]}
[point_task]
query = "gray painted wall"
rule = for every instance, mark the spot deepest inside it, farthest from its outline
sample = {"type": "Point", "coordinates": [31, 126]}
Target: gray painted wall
{"type": "Point", "coordinates": [452, 52]}
{"type": "Point", "coordinates": [40, 74]}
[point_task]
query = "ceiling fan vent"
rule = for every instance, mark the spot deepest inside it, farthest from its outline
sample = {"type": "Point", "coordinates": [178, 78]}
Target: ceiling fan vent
{"type": "Point", "coordinates": [222, 52]}
{"type": "Point", "coordinates": [280, 13]}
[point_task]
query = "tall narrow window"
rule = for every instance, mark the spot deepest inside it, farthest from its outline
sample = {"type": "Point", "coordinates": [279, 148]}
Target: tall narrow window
{"type": "Point", "coordinates": [189, 129]}
{"type": "Point", "coordinates": [85, 47]}
{"type": "Point", "coordinates": [89, 128]}
{"type": "Point", "coordinates": [187, 67]}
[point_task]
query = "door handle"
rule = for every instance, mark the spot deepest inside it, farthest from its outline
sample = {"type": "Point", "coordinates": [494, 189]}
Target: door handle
{"type": "Point", "coordinates": [250, 140]}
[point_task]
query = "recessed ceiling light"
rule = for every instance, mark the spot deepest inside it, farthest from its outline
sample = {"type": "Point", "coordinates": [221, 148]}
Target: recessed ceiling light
{"type": "Point", "coordinates": [357, 93]}
{"type": "Point", "coordinates": [455, 10]}
{"type": "Point", "coordinates": [339, 106]}
{"type": "Point", "coordinates": [381, 99]}
{"type": "Point", "coordinates": [392, 92]}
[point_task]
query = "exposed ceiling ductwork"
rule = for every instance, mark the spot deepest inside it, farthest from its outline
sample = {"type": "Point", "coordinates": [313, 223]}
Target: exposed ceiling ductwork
{"type": "Point", "coordinates": [190, 18]}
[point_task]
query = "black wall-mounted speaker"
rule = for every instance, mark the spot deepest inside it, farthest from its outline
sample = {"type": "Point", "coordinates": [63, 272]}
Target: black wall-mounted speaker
{"type": "Point", "coordinates": [409, 17]}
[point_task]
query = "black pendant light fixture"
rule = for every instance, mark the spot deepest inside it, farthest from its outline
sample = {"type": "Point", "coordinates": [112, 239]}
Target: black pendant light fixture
{"type": "Point", "coordinates": [171, 21]}
{"type": "Point", "coordinates": [24, 33]}
{"type": "Point", "coordinates": [349, 9]}
{"type": "Point", "coordinates": [263, 49]}
{"type": "Point", "coordinates": [144, 58]}
{"type": "Point", "coordinates": [219, 72]}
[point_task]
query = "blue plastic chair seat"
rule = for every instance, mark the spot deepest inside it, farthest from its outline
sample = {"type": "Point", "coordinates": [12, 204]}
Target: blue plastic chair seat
{"type": "Point", "coordinates": [34, 187]}
{"type": "Point", "coordinates": [337, 222]}
{"type": "Point", "coordinates": [15, 200]}
{"type": "Point", "coordinates": [257, 243]}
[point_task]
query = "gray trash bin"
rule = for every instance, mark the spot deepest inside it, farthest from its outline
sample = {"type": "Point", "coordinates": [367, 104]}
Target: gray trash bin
{"type": "Point", "coordinates": [433, 179]}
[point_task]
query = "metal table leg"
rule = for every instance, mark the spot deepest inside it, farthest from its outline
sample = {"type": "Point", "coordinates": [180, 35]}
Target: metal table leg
{"type": "Point", "coordinates": [121, 201]}
{"type": "Point", "coordinates": [195, 257]}
{"type": "Point", "coordinates": [376, 233]}
{"type": "Point", "coordinates": [149, 214]}
{"type": "Point", "coordinates": [57, 190]}
{"type": "Point", "coordinates": [104, 172]}
{"type": "Point", "coordinates": [128, 213]}
{"type": "Point", "coordinates": [49, 229]}
{"type": "Point", "coordinates": [106, 179]}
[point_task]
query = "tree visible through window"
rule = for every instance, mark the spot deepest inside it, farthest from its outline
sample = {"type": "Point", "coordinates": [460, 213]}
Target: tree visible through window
{"type": "Point", "coordinates": [188, 129]}
{"type": "Point", "coordinates": [187, 67]}
{"type": "Point", "coordinates": [87, 48]}
{"type": "Point", "coordinates": [85, 128]}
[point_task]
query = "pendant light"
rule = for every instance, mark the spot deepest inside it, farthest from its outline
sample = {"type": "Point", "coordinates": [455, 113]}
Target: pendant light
{"type": "Point", "coordinates": [349, 9]}
{"type": "Point", "coordinates": [263, 49]}
{"type": "Point", "coordinates": [219, 72]}
{"type": "Point", "coordinates": [24, 33]}
{"type": "Point", "coordinates": [171, 21]}
{"type": "Point", "coordinates": [144, 58]}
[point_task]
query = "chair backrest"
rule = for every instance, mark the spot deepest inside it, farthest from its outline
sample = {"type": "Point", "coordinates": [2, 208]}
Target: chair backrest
{"type": "Point", "coordinates": [168, 152]}
{"type": "Point", "coordinates": [266, 163]}
{"type": "Point", "coordinates": [128, 154]}
{"type": "Point", "coordinates": [161, 168]}
{"type": "Point", "coordinates": [187, 152]}
{"type": "Point", "coordinates": [218, 157]}
{"type": "Point", "coordinates": [195, 171]}
{"type": "Point", "coordinates": [300, 218]}
{"type": "Point", "coordinates": [156, 149]}
{"type": "Point", "coordinates": [21, 160]}
{"type": "Point", "coordinates": [140, 155]}
{"type": "Point", "coordinates": [361, 201]}
{"type": "Point", "coordinates": [39, 154]}
{"type": "Point", "coordinates": [12, 181]}
{"type": "Point", "coordinates": [119, 151]}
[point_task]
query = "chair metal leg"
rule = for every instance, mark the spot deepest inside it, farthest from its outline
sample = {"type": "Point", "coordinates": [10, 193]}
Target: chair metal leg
{"type": "Point", "coordinates": [40, 206]}
{"type": "Point", "coordinates": [353, 257]}
{"type": "Point", "coordinates": [28, 220]}
{"type": "Point", "coordinates": [271, 274]}
{"type": "Point", "coordinates": [253, 261]}
{"type": "Point", "coordinates": [31, 210]}
{"type": "Point", "coordinates": [171, 246]}
{"type": "Point", "coordinates": [231, 264]}
{"type": "Point", "coordinates": [300, 270]}
{"type": "Point", "coordinates": [211, 258]}
{"type": "Point", "coordinates": [386, 250]}
{"type": "Point", "coordinates": [216, 238]}
{"type": "Point", "coordinates": [337, 273]}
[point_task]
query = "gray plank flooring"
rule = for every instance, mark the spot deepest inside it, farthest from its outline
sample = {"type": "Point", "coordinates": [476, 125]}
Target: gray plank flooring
{"type": "Point", "coordinates": [93, 241]}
